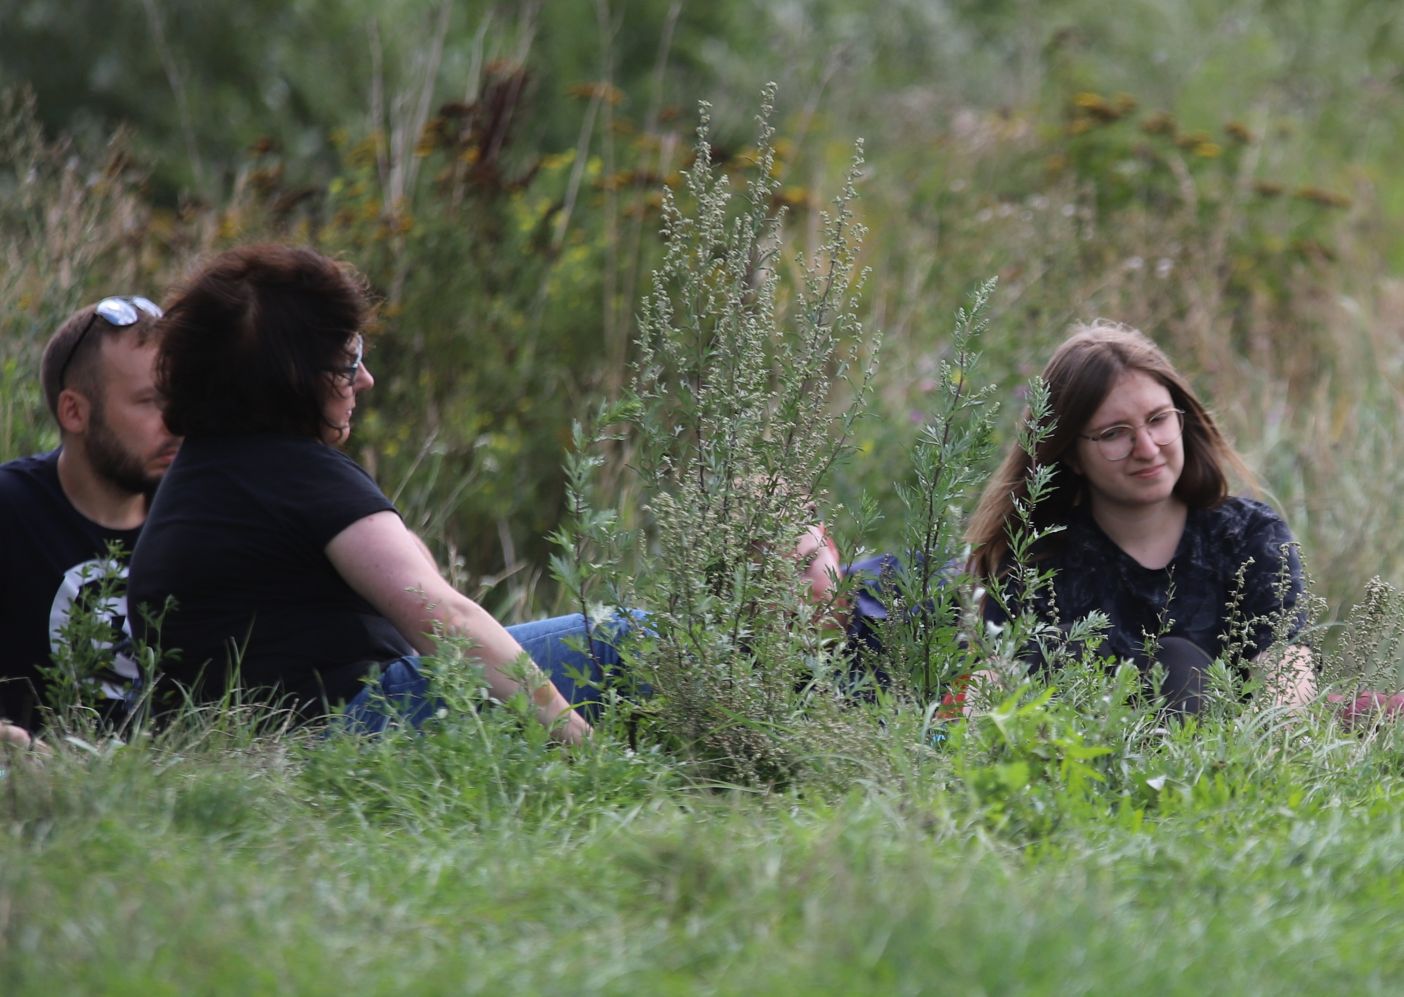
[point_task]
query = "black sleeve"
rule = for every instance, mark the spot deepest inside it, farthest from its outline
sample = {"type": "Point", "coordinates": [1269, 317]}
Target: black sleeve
{"type": "Point", "coordinates": [1272, 583]}
{"type": "Point", "coordinates": [323, 491]}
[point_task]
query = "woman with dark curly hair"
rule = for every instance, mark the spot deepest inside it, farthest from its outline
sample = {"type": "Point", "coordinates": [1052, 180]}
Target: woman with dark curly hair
{"type": "Point", "coordinates": [291, 572]}
{"type": "Point", "coordinates": [1184, 571]}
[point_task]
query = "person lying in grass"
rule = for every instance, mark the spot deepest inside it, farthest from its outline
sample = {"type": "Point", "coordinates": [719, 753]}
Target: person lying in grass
{"type": "Point", "coordinates": [1185, 572]}
{"type": "Point", "coordinates": [292, 574]}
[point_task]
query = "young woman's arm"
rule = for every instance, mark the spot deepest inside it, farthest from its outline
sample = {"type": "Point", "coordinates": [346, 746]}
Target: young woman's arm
{"type": "Point", "coordinates": [1274, 585]}
{"type": "Point", "coordinates": [1289, 680]}
{"type": "Point", "coordinates": [388, 566]}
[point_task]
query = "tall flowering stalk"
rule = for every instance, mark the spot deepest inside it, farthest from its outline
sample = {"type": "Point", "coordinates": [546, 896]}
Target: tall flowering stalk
{"type": "Point", "coordinates": [738, 424]}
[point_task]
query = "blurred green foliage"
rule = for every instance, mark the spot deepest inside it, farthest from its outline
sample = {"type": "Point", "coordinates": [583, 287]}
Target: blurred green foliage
{"type": "Point", "coordinates": [201, 83]}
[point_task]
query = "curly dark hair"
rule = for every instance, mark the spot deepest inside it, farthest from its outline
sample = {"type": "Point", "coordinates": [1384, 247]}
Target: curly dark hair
{"type": "Point", "coordinates": [247, 340]}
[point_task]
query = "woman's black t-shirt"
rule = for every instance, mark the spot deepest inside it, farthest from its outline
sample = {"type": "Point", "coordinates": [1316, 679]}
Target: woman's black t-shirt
{"type": "Point", "coordinates": [1234, 576]}
{"type": "Point", "coordinates": [237, 535]}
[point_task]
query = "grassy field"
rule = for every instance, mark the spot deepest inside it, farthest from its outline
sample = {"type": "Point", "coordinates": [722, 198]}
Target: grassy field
{"type": "Point", "coordinates": [1223, 175]}
{"type": "Point", "coordinates": [1252, 856]}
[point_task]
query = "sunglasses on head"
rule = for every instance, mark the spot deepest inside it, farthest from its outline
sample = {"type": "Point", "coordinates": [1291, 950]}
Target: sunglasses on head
{"type": "Point", "coordinates": [118, 312]}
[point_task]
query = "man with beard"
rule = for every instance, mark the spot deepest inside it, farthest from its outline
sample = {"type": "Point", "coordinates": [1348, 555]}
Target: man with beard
{"type": "Point", "coordinates": [60, 511]}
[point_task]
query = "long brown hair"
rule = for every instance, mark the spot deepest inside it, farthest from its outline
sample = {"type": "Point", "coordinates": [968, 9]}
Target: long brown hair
{"type": "Point", "coordinates": [1079, 376]}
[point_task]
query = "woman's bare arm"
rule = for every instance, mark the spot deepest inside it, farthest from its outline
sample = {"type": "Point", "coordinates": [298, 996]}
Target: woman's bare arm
{"type": "Point", "coordinates": [388, 566]}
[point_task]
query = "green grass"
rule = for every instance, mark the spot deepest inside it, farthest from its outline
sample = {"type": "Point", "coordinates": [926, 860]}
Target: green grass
{"type": "Point", "coordinates": [477, 860]}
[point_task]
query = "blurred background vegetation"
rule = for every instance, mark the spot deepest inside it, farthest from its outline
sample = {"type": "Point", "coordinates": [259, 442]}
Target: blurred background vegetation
{"type": "Point", "coordinates": [1222, 174]}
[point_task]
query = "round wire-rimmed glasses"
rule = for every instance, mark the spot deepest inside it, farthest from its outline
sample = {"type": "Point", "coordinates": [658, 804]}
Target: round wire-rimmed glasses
{"type": "Point", "coordinates": [1117, 442]}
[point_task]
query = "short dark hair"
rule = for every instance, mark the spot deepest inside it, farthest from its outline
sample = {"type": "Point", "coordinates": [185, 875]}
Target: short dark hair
{"type": "Point", "coordinates": [83, 373]}
{"type": "Point", "coordinates": [248, 338]}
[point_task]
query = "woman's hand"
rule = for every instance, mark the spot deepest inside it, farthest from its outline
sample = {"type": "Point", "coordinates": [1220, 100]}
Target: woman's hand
{"type": "Point", "coordinates": [20, 739]}
{"type": "Point", "coordinates": [572, 730]}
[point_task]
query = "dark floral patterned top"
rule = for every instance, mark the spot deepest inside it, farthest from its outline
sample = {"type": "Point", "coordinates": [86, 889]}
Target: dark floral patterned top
{"type": "Point", "coordinates": [1197, 596]}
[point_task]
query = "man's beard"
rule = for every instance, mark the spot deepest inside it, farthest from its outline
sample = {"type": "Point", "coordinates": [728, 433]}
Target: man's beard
{"type": "Point", "coordinates": [114, 462]}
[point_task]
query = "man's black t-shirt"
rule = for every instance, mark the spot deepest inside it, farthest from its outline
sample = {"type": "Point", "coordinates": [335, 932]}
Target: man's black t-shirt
{"type": "Point", "coordinates": [237, 535]}
{"type": "Point", "coordinates": [1197, 596]}
{"type": "Point", "coordinates": [49, 554]}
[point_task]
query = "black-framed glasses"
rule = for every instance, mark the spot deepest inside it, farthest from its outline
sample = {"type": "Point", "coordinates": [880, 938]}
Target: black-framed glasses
{"type": "Point", "coordinates": [350, 370]}
{"type": "Point", "coordinates": [1117, 442]}
{"type": "Point", "coordinates": [118, 312]}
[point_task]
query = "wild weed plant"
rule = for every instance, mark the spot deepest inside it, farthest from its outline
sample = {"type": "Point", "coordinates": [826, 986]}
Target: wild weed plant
{"type": "Point", "coordinates": [736, 424]}
{"type": "Point", "coordinates": [82, 672]}
{"type": "Point", "coordinates": [1370, 656]}
{"type": "Point", "coordinates": [923, 639]}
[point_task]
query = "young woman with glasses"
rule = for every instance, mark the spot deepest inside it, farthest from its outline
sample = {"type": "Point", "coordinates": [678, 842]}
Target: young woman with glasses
{"type": "Point", "coordinates": [292, 573]}
{"type": "Point", "coordinates": [1185, 572]}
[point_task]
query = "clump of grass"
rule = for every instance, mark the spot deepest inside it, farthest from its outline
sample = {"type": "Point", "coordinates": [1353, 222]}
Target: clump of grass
{"type": "Point", "coordinates": [202, 858]}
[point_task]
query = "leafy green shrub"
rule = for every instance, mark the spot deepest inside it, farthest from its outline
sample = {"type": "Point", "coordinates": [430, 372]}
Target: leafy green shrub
{"type": "Point", "coordinates": [1032, 759]}
{"type": "Point", "coordinates": [736, 427]}
{"type": "Point", "coordinates": [925, 639]}
{"type": "Point", "coordinates": [86, 643]}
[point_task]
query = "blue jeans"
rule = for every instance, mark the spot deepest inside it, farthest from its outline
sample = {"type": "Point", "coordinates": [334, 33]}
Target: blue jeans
{"type": "Point", "coordinates": [403, 692]}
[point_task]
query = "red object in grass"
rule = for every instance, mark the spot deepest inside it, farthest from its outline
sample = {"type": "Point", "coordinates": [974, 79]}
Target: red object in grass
{"type": "Point", "coordinates": [953, 702]}
{"type": "Point", "coordinates": [1368, 707]}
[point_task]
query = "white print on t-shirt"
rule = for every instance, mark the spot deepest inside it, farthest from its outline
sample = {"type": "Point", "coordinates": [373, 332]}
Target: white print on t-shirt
{"type": "Point", "coordinates": [88, 575]}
